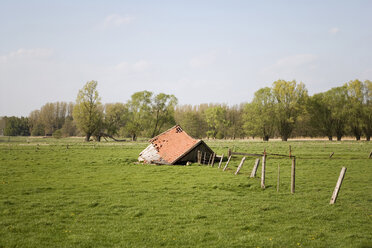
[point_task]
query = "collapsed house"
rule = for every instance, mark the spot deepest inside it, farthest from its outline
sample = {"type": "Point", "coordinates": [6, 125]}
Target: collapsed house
{"type": "Point", "coordinates": [174, 146]}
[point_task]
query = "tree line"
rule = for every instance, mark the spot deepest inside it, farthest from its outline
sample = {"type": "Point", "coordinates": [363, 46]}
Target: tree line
{"type": "Point", "coordinates": [284, 110]}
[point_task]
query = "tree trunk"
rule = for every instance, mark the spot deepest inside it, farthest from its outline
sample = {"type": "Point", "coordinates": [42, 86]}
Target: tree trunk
{"type": "Point", "coordinates": [357, 133]}
{"type": "Point", "coordinates": [134, 137]}
{"type": "Point", "coordinates": [339, 137]}
{"type": "Point", "coordinates": [87, 137]}
{"type": "Point", "coordinates": [284, 138]}
{"type": "Point", "coordinates": [98, 138]}
{"type": "Point", "coordinates": [330, 138]}
{"type": "Point", "coordinates": [156, 124]}
{"type": "Point", "coordinates": [368, 138]}
{"type": "Point", "coordinates": [265, 138]}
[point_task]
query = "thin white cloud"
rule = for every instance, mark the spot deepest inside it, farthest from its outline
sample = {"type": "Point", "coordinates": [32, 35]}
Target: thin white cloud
{"type": "Point", "coordinates": [26, 54]}
{"type": "Point", "coordinates": [290, 67]}
{"type": "Point", "coordinates": [39, 76]}
{"type": "Point", "coordinates": [115, 20]}
{"type": "Point", "coordinates": [141, 66]}
{"type": "Point", "coordinates": [203, 60]}
{"type": "Point", "coordinates": [334, 30]}
{"type": "Point", "coordinates": [295, 60]}
{"type": "Point", "coordinates": [123, 66]}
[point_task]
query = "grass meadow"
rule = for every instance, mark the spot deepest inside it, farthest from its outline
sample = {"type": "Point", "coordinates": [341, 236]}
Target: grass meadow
{"type": "Point", "coordinates": [68, 193]}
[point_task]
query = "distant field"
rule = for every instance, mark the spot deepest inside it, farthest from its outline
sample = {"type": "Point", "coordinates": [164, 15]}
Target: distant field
{"type": "Point", "coordinates": [67, 193]}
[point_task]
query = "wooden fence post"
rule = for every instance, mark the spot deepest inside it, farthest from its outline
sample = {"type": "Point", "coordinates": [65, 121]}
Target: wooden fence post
{"type": "Point", "coordinates": [293, 175]}
{"type": "Point", "coordinates": [338, 185]}
{"type": "Point", "coordinates": [213, 158]}
{"type": "Point", "coordinates": [240, 166]}
{"type": "Point", "coordinates": [290, 151]}
{"type": "Point", "coordinates": [204, 160]}
{"type": "Point", "coordinates": [278, 184]}
{"type": "Point", "coordinates": [219, 165]}
{"type": "Point", "coordinates": [229, 153]}
{"type": "Point", "coordinates": [227, 163]}
{"type": "Point", "coordinates": [199, 157]}
{"type": "Point", "coordinates": [254, 170]}
{"type": "Point", "coordinates": [263, 170]}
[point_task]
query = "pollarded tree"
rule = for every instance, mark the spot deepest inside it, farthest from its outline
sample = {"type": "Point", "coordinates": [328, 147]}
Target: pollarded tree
{"type": "Point", "coordinates": [355, 98]}
{"type": "Point", "coordinates": [216, 120]}
{"type": "Point", "coordinates": [289, 102]}
{"type": "Point", "coordinates": [337, 100]}
{"type": "Point", "coordinates": [192, 120]}
{"type": "Point", "coordinates": [15, 126]}
{"type": "Point", "coordinates": [88, 110]}
{"type": "Point", "coordinates": [139, 113]}
{"type": "Point", "coordinates": [61, 111]}
{"type": "Point", "coordinates": [249, 123]}
{"type": "Point", "coordinates": [148, 114]}
{"type": "Point", "coordinates": [320, 110]}
{"type": "Point", "coordinates": [235, 119]}
{"type": "Point", "coordinates": [367, 110]}
{"type": "Point", "coordinates": [69, 127]}
{"type": "Point", "coordinates": [36, 126]}
{"type": "Point", "coordinates": [259, 114]}
{"type": "Point", "coordinates": [162, 109]}
{"type": "Point", "coordinates": [48, 118]}
{"type": "Point", "coordinates": [116, 115]}
{"type": "Point", "coordinates": [2, 125]}
{"type": "Point", "coordinates": [52, 116]}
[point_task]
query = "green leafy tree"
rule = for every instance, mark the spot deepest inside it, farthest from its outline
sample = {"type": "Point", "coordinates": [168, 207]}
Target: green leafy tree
{"type": "Point", "coordinates": [320, 109]}
{"type": "Point", "coordinates": [36, 126]}
{"type": "Point", "coordinates": [162, 110]}
{"type": "Point", "coordinates": [2, 125]}
{"type": "Point", "coordinates": [259, 114]}
{"type": "Point", "coordinates": [337, 99]}
{"type": "Point", "coordinates": [57, 134]}
{"type": "Point", "coordinates": [60, 113]}
{"type": "Point", "coordinates": [354, 107]}
{"type": "Point", "coordinates": [303, 127]}
{"type": "Point", "coordinates": [235, 120]}
{"type": "Point", "coordinates": [15, 126]}
{"type": "Point", "coordinates": [116, 115]}
{"type": "Point", "coordinates": [52, 116]}
{"type": "Point", "coordinates": [216, 120]}
{"type": "Point", "coordinates": [250, 127]}
{"type": "Point", "coordinates": [139, 113]}
{"type": "Point", "coordinates": [290, 98]}
{"type": "Point", "coordinates": [88, 111]}
{"type": "Point", "coordinates": [191, 118]}
{"type": "Point", "coordinates": [148, 114]}
{"type": "Point", "coordinates": [48, 118]}
{"type": "Point", "coordinates": [69, 127]}
{"type": "Point", "coordinates": [367, 110]}
{"type": "Point", "coordinates": [191, 123]}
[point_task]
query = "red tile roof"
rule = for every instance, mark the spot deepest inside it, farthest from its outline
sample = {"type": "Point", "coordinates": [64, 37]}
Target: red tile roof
{"type": "Point", "coordinates": [173, 143]}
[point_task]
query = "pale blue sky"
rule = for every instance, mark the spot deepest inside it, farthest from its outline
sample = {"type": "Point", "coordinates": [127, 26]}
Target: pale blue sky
{"type": "Point", "coordinates": [200, 51]}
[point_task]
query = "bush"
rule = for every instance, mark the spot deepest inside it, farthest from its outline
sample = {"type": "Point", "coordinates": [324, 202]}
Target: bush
{"type": "Point", "coordinates": [57, 134]}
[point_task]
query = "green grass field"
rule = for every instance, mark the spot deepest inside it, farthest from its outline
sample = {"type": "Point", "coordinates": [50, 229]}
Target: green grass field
{"type": "Point", "coordinates": [67, 193]}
